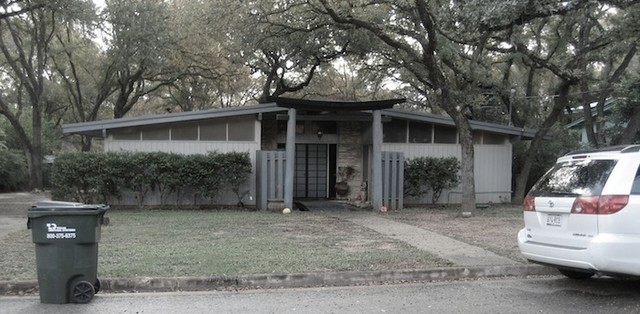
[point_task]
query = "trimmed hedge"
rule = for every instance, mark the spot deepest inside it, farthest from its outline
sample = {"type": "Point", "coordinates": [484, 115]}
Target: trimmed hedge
{"type": "Point", "coordinates": [424, 174]}
{"type": "Point", "coordinates": [100, 177]}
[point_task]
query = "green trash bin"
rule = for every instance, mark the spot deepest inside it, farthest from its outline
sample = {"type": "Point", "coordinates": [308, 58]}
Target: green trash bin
{"type": "Point", "coordinates": [66, 237]}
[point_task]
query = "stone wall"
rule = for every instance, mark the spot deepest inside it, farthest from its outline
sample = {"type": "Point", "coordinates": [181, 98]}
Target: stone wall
{"type": "Point", "coordinates": [350, 154]}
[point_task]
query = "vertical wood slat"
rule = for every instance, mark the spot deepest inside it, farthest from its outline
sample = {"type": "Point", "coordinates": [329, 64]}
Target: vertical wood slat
{"type": "Point", "coordinates": [393, 180]}
{"type": "Point", "coordinates": [270, 177]}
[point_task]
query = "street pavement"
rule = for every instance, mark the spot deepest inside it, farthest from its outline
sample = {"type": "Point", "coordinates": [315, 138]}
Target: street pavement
{"type": "Point", "coordinates": [470, 262]}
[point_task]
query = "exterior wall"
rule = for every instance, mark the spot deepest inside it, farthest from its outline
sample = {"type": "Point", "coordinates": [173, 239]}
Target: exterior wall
{"type": "Point", "coordinates": [492, 170]}
{"type": "Point", "coordinates": [226, 197]}
{"type": "Point", "coordinates": [350, 154]}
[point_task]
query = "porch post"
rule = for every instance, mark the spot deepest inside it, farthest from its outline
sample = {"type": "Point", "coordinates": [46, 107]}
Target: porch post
{"type": "Point", "coordinates": [376, 167]}
{"type": "Point", "coordinates": [290, 160]}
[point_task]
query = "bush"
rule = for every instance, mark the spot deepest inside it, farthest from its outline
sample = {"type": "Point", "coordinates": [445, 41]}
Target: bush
{"type": "Point", "coordinates": [424, 174]}
{"type": "Point", "coordinates": [13, 171]}
{"type": "Point", "coordinates": [98, 177]}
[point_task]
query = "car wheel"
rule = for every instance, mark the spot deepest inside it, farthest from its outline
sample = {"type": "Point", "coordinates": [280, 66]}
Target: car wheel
{"type": "Point", "coordinates": [576, 274]}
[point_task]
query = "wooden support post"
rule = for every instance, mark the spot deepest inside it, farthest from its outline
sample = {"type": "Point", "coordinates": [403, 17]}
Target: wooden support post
{"type": "Point", "coordinates": [290, 159]}
{"type": "Point", "coordinates": [376, 167]}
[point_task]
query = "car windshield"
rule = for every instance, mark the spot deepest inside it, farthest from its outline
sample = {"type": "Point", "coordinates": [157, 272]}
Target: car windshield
{"type": "Point", "coordinates": [585, 177]}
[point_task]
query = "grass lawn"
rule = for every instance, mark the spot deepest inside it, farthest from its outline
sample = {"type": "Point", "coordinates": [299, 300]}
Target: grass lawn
{"type": "Point", "coordinates": [227, 242]}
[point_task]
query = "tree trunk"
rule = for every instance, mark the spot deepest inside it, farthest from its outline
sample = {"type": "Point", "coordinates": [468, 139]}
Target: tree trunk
{"type": "Point", "coordinates": [632, 128]}
{"type": "Point", "coordinates": [536, 143]}
{"type": "Point", "coordinates": [85, 143]}
{"type": "Point", "coordinates": [467, 166]}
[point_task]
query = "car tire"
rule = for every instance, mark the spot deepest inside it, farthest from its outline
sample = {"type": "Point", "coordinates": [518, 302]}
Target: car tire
{"type": "Point", "coordinates": [576, 274]}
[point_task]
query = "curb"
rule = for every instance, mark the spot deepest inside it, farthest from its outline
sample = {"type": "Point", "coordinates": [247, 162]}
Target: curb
{"type": "Point", "coordinates": [302, 280]}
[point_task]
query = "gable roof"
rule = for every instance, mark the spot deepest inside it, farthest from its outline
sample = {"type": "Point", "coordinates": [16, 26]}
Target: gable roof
{"type": "Point", "coordinates": [99, 128]}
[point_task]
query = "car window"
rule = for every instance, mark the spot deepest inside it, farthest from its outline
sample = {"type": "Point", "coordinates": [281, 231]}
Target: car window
{"type": "Point", "coordinates": [575, 178]}
{"type": "Point", "coordinates": [635, 188]}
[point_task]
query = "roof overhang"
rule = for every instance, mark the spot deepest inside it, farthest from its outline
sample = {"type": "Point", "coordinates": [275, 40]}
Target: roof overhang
{"type": "Point", "coordinates": [356, 111]}
{"type": "Point", "coordinates": [332, 105]}
{"type": "Point", "coordinates": [523, 133]}
{"type": "Point", "coordinates": [97, 128]}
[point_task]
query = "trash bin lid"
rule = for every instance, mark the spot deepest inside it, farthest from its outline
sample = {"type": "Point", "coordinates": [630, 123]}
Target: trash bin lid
{"type": "Point", "coordinates": [50, 203]}
{"type": "Point", "coordinates": [54, 208]}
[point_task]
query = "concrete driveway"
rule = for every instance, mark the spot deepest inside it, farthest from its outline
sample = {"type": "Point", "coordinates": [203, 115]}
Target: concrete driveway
{"type": "Point", "coordinates": [13, 210]}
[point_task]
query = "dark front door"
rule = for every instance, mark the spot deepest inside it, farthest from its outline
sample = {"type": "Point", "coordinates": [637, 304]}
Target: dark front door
{"type": "Point", "coordinates": [311, 179]}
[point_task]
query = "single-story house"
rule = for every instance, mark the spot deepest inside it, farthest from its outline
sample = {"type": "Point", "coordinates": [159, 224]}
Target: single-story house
{"type": "Point", "coordinates": [331, 142]}
{"type": "Point", "coordinates": [578, 124]}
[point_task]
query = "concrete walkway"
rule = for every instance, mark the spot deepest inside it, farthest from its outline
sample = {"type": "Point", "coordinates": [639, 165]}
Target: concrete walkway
{"type": "Point", "coordinates": [457, 252]}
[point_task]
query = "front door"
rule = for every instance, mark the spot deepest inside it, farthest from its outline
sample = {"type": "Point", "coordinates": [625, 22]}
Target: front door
{"type": "Point", "coordinates": [311, 179]}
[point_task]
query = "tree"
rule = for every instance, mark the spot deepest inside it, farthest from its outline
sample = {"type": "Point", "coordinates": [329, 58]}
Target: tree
{"type": "Point", "coordinates": [78, 65]}
{"type": "Point", "coordinates": [207, 47]}
{"type": "Point", "coordinates": [280, 45]}
{"type": "Point", "coordinates": [139, 43]}
{"type": "Point", "coordinates": [443, 51]}
{"type": "Point", "coordinates": [11, 8]}
{"type": "Point", "coordinates": [24, 43]}
{"type": "Point", "coordinates": [572, 48]}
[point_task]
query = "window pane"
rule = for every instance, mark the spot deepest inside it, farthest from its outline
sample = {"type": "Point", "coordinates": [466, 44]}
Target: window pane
{"type": "Point", "coordinates": [184, 132]}
{"type": "Point", "coordinates": [394, 131]}
{"type": "Point", "coordinates": [129, 134]}
{"type": "Point", "coordinates": [419, 132]}
{"type": "Point", "coordinates": [445, 134]}
{"type": "Point", "coordinates": [242, 129]}
{"type": "Point", "coordinates": [155, 133]}
{"type": "Point", "coordinates": [213, 131]}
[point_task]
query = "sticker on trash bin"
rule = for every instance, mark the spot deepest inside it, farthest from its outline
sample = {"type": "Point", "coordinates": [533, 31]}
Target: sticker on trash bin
{"type": "Point", "coordinates": [60, 232]}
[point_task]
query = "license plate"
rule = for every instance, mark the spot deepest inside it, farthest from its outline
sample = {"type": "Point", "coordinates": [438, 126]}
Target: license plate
{"type": "Point", "coordinates": [554, 220]}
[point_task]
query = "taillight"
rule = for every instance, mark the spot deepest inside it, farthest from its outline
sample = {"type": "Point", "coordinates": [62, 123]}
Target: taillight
{"type": "Point", "coordinates": [599, 205]}
{"type": "Point", "coordinates": [585, 205]}
{"type": "Point", "coordinates": [610, 204]}
{"type": "Point", "coordinates": [529, 203]}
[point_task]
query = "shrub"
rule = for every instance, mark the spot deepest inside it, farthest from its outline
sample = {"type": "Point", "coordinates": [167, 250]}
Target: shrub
{"type": "Point", "coordinates": [424, 174]}
{"type": "Point", "coordinates": [13, 171]}
{"type": "Point", "coordinates": [97, 177]}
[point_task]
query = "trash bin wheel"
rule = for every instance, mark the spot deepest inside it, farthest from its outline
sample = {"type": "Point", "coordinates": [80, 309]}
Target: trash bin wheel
{"type": "Point", "coordinates": [82, 292]}
{"type": "Point", "coordinates": [96, 286]}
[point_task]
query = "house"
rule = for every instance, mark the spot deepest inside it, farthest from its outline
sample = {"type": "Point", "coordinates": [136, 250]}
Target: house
{"type": "Point", "coordinates": [578, 123]}
{"type": "Point", "coordinates": [331, 142]}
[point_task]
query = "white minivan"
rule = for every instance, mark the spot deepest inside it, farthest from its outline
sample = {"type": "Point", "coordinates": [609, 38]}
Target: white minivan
{"type": "Point", "coordinates": [583, 215]}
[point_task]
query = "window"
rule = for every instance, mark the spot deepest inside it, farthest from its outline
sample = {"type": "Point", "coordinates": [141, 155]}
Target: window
{"type": "Point", "coordinates": [635, 188]}
{"type": "Point", "coordinates": [420, 132]}
{"type": "Point", "coordinates": [184, 132]}
{"type": "Point", "coordinates": [394, 131]}
{"type": "Point", "coordinates": [575, 178]}
{"type": "Point", "coordinates": [445, 134]}
{"type": "Point", "coordinates": [242, 129]}
{"type": "Point", "coordinates": [127, 134]}
{"type": "Point", "coordinates": [155, 133]}
{"type": "Point", "coordinates": [213, 131]}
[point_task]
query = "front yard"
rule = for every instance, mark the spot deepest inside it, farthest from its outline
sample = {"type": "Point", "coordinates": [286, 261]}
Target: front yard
{"type": "Point", "coordinates": [227, 242]}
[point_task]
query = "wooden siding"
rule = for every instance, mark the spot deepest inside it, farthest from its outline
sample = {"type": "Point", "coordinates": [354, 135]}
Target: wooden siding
{"type": "Point", "coordinates": [492, 169]}
{"type": "Point", "coordinates": [226, 197]}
